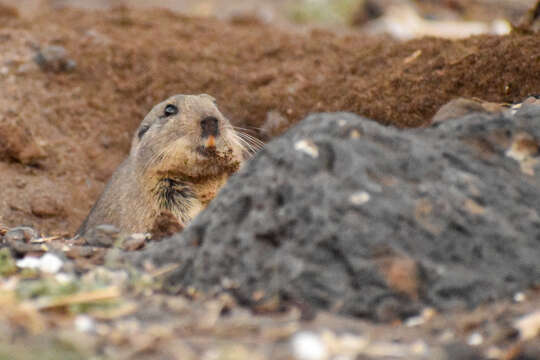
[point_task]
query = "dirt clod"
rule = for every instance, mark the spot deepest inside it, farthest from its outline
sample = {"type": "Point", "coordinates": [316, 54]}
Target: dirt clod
{"type": "Point", "coordinates": [460, 107]}
{"type": "Point", "coordinates": [166, 224]}
{"type": "Point", "coordinates": [402, 274]}
{"type": "Point", "coordinates": [45, 206]}
{"type": "Point", "coordinates": [18, 143]}
{"type": "Point", "coordinates": [8, 12]}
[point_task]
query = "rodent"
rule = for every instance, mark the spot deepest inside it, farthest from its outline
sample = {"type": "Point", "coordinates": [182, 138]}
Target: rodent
{"type": "Point", "coordinates": [181, 155]}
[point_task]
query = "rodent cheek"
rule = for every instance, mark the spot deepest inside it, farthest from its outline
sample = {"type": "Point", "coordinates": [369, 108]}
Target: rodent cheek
{"type": "Point", "coordinates": [142, 155]}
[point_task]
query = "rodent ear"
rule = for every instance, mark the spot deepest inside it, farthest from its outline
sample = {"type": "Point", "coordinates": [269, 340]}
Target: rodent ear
{"type": "Point", "coordinates": [209, 97]}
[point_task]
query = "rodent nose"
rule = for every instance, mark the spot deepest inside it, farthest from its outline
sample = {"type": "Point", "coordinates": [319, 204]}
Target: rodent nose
{"type": "Point", "coordinates": [209, 126]}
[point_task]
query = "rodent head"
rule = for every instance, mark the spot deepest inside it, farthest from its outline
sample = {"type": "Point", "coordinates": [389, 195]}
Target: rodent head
{"type": "Point", "coordinates": [186, 135]}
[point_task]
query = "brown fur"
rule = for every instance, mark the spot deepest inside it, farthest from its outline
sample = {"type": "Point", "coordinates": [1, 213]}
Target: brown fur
{"type": "Point", "coordinates": [166, 169]}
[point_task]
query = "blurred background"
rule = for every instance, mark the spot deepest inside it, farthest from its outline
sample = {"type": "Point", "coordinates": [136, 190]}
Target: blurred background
{"type": "Point", "coordinates": [403, 19]}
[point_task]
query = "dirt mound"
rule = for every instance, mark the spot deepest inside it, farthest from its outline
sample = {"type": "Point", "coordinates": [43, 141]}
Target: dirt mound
{"type": "Point", "coordinates": [349, 216]}
{"type": "Point", "coordinates": [128, 60]}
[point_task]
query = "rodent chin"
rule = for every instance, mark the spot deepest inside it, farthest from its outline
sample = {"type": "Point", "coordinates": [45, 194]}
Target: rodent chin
{"type": "Point", "coordinates": [202, 164]}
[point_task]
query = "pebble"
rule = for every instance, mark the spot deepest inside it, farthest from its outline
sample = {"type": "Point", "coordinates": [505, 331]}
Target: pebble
{"type": "Point", "coordinates": [427, 314]}
{"type": "Point", "coordinates": [307, 147]}
{"type": "Point", "coordinates": [29, 262]}
{"type": "Point", "coordinates": [48, 263]}
{"type": "Point", "coordinates": [519, 297]}
{"type": "Point", "coordinates": [44, 206]}
{"type": "Point", "coordinates": [494, 353]}
{"type": "Point", "coordinates": [346, 344]}
{"type": "Point", "coordinates": [64, 278]}
{"type": "Point", "coordinates": [21, 233]}
{"type": "Point", "coordinates": [529, 325]}
{"type": "Point", "coordinates": [359, 198]}
{"type": "Point", "coordinates": [475, 339]}
{"type": "Point", "coordinates": [419, 348]}
{"type": "Point", "coordinates": [308, 346]}
{"type": "Point", "coordinates": [134, 242]}
{"type": "Point", "coordinates": [54, 58]}
{"type": "Point", "coordinates": [102, 235]}
{"type": "Point", "coordinates": [84, 323]}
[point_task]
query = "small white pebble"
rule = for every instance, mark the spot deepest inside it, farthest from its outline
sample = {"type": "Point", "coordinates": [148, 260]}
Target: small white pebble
{"type": "Point", "coordinates": [359, 198]}
{"type": "Point", "coordinates": [28, 262]}
{"type": "Point", "coordinates": [227, 283]}
{"type": "Point", "coordinates": [9, 284]}
{"type": "Point", "coordinates": [308, 346]}
{"type": "Point", "coordinates": [475, 339]}
{"type": "Point", "coordinates": [419, 347]}
{"type": "Point", "coordinates": [102, 329]}
{"type": "Point", "coordinates": [352, 344]}
{"type": "Point", "coordinates": [494, 353]}
{"type": "Point", "coordinates": [415, 321]}
{"type": "Point", "coordinates": [519, 297]}
{"type": "Point", "coordinates": [307, 147]}
{"type": "Point", "coordinates": [4, 70]}
{"type": "Point", "coordinates": [426, 314]}
{"type": "Point", "coordinates": [343, 357]}
{"type": "Point", "coordinates": [354, 134]}
{"type": "Point", "coordinates": [501, 27]}
{"type": "Point", "coordinates": [529, 325]}
{"type": "Point", "coordinates": [84, 323]}
{"type": "Point", "coordinates": [47, 263]}
{"type": "Point", "coordinates": [342, 122]}
{"type": "Point", "coordinates": [63, 278]}
{"type": "Point", "coordinates": [50, 263]}
{"type": "Point", "coordinates": [447, 336]}
{"type": "Point", "coordinates": [138, 236]}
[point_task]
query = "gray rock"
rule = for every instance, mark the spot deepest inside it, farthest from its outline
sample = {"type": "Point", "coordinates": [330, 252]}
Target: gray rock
{"type": "Point", "coordinates": [20, 234]}
{"type": "Point", "coordinates": [350, 216]}
{"type": "Point", "coordinates": [19, 238]}
{"type": "Point", "coordinates": [54, 58]}
{"type": "Point", "coordinates": [102, 235]}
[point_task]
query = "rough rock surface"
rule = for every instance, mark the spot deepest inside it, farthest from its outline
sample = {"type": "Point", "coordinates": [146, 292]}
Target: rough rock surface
{"type": "Point", "coordinates": [344, 214]}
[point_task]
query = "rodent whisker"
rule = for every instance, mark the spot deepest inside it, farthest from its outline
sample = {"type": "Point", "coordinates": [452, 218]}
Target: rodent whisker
{"type": "Point", "coordinates": [249, 128]}
{"type": "Point", "coordinates": [243, 130]}
{"type": "Point", "coordinates": [251, 139]}
{"type": "Point", "coordinates": [244, 144]}
{"type": "Point", "coordinates": [245, 135]}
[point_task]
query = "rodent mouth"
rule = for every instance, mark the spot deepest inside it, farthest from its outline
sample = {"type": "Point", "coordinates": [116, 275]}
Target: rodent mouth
{"type": "Point", "coordinates": [209, 164]}
{"type": "Point", "coordinates": [207, 151]}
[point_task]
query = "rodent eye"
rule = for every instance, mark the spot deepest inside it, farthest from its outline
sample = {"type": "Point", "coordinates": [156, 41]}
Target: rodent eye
{"type": "Point", "coordinates": [170, 110]}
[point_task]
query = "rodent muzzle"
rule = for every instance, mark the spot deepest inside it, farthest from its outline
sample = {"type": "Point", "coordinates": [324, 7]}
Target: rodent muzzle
{"type": "Point", "coordinates": [209, 127]}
